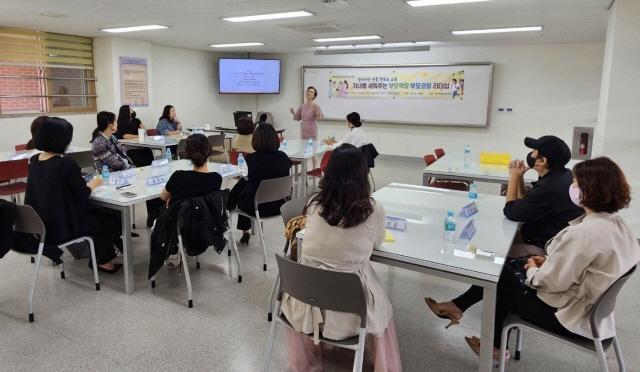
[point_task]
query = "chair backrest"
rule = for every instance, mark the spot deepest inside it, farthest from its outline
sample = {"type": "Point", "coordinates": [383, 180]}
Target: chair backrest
{"type": "Point", "coordinates": [216, 140]}
{"type": "Point", "coordinates": [607, 302]}
{"type": "Point", "coordinates": [273, 189]}
{"type": "Point", "coordinates": [439, 152]}
{"type": "Point", "coordinates": [14, 169]}
{"type": "Point", "coordinates": [84, 159]}
{"type": "Point", "coordinates": [152, 132]}
{"type": "Point", "coordinates": [20, 147]}
{"type": "Point", "coordinates": [292, 208]}
{"type": "Point", "coordinates": [325, 160]}
{"type": "Point", "coordinates": [326, 289]}
{"type": "Point", "coordinates": [429, 159]}
{"type": "Point", "coordinates": [182, 149]}
{"type": "Point", "coordinates": [28, 221]}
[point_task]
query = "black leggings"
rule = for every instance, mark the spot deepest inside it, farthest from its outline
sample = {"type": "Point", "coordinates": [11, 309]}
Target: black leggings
{"type": "Point", "coordinates": [233, 202]}
{"type": "Point", "coordinates": [527, 305]}
{"type": "Point", "coordinates": [104, 227]}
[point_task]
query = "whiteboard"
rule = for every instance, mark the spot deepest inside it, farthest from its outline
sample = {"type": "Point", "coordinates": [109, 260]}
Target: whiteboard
{"type": "Point", "coordinates": [410, 94]}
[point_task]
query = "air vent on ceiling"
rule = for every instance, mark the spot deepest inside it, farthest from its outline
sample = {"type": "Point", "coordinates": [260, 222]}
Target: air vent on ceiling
{"type": "Point", "coordinates": [321, 28]}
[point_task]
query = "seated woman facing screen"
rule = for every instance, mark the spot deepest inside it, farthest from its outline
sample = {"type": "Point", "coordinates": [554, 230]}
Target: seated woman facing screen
{"type": "Point", "coordinates": [343, 225]}
{"type": "Point", "coordinates": [581, 263]}
{"type": "Point", "coordinates": [356, 136]}
{"type": "Point", "coordinates": [60, 196]}
{"type": "Point", "coordinates": [168, 122]}
{"type": "Point", "coordinates": [242, 142]}
{"type": "Point", "coordinates": [128, 126]}
{"type": "Point", "coordinates": [265, 163]}
{"type": "Point", "coordinates": [105, 147]}
{"type": "Point", "coordinates": [196, 182]}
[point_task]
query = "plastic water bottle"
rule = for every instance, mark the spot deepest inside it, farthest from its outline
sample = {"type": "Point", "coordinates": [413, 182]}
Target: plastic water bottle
{"type": "Point", "coordinates": [333, 136]}
{"type": "Point", "coordinates": [105, 174]}
{"type": "Point", "coordinates": [449, 227]}
{"type": "Point", "coordinates": [309, 148]}
{"type": "Point", "coordinates": [242, 165]}
{"type": "Point", "coordinates": [284, 144]}
{"type": "Point", "coordinates": [473, 192]}
{"type": "Point", "coordinates": [467, 156]}
{"type": "Point", "coordinates": [168, 155]}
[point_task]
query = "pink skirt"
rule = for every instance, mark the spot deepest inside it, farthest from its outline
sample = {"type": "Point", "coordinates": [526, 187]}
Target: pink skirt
{"type": "Point", "coordinates": [308, 129]}
{"type": "Point", "coordinates": [382, 354]}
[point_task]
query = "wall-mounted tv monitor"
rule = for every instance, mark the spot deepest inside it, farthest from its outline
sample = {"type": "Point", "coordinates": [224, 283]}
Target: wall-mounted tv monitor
{"type": "Point", "coordinates": [249, 76]}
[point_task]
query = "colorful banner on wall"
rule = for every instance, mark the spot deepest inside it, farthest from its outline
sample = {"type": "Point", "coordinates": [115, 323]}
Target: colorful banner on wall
{"type": "Point", "coordinates": [134, 87]}
{"type": "Point", "coordinates": [392, 84]}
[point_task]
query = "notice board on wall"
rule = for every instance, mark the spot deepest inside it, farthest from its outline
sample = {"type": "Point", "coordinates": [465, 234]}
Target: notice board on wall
{"type": "Point", "coordinates": [134, 84]}
{"type": "Point", "coordinates": [429, 94]}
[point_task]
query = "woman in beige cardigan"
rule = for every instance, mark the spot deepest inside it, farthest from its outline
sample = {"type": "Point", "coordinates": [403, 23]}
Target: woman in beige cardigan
{"type": "Point", "coordinates": [242, 141]}
{"type": "Point", "coordinates": [582, 261]}
{"type": "Point", "coordinates": [342, 227]}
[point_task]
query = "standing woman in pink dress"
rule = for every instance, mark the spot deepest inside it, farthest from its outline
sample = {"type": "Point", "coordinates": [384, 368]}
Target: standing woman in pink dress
{"type": "Point", "coordinates": [308, 114]}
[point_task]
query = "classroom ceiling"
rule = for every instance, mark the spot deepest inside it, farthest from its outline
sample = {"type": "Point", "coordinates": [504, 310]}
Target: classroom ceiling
{"type": "Point", "coordinates": [197, 23]}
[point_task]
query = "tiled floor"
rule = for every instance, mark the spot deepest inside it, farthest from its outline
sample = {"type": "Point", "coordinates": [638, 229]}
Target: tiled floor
{"type": "Point", "coordinates": [79, 329]}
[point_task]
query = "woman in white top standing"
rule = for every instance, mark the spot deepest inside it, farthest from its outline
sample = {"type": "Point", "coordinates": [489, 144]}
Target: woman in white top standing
{"type": "Point", "coordinates": [343, 226]}
{"type": "Point", "coordinates": [581, 263]}
{"type": "Point", "coordinates": [356, 136]}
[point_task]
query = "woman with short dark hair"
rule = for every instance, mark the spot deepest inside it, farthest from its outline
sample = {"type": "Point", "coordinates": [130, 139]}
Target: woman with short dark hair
{"type": "Point", "coordinates": [194, 182]}
{"type": "Point", "coordinates": [35, 126]}
{"type": "Point", "coordinates": [242, 142]}
{"type": "Point", "coordinates": [265, 163]}
{"type": "Point", "coordinates": [343, 225]}
{"type": "Point", "coordinates": [581, 263]}
{"type": "Point", "coordinates": [60, 196]}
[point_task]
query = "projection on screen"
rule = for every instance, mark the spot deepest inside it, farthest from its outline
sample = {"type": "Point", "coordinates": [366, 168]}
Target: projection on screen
{"type": "Point", "coordinates": [249, 76]}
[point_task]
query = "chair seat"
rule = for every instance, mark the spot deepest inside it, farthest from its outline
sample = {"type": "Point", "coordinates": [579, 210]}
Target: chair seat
{"type": "Point", "coordinates": [296, 162]}
{"type": "Point", "coordinates": [13, 188]}
{"type": "Point", "coordinates": [575, 340]}
{"type": "Point", "coordinates": [315, 173]}
{"type": "Point", "coordinates": [349, 343]}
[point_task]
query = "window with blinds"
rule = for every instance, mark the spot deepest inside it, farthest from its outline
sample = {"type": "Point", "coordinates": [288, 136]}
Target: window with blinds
{"type": "Point", "coordinates": [43, 72]}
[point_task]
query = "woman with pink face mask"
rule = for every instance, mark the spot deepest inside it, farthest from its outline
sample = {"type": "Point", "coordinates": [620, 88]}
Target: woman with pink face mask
{"type": "Point", "coordinates": [581, 261]}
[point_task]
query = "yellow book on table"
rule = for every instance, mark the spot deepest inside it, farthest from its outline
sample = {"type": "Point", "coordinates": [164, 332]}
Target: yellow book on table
{"type": "Point", "coordinates": [388, 237]}
{"type": "Point", "coordinates": [494, 158]}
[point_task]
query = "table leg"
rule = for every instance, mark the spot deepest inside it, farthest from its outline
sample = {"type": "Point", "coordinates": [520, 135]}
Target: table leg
{"type": "Point", "coordinates": [426, 177]}
{"type": "Point", "coordinates": [163, 149]}
{"type": "Point", "coordinates": [303, 178]}
{"type": "Point", "coordinates": [487, 328]}
{"type": "Point", "coordinates": [127, 254]}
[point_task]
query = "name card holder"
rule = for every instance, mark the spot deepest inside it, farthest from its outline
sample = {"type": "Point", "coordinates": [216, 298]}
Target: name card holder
{"type": "Point", "coordinates": [157, 180]}
{"type": "Point", "coordinates": [395, 223]}
{"type": "Point", "coordinates": [469, 210]}
{"type": "Point", "coordinates": [227, 169]}
{"type": "Point", "coordinates": [160, 163]}
{"type": "Point", "coordinates": [158, 138]}
{"type": "Point", "coordinates": [468, 231]}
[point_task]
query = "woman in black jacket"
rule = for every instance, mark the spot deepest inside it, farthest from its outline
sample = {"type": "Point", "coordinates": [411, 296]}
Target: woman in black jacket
{"type": "Point", "coordinates": [265, 163]}
{"type": "Point", "coordinates": [60, 196]}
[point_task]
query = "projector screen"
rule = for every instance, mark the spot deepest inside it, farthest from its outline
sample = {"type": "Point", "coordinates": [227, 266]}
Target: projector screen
{"type": "Point", "coordinates": [249, 76]}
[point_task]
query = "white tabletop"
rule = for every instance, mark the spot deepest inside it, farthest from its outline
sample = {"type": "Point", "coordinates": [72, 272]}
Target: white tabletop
{"type": "Point", "coordinates": [110, 195]}
{"type": "Point", "coordinates": [425, 209]}
{"type": "Point", "coordinates": [26, 154]}
{"type": "Point", "coordinates": [296, 149]}
{"type": "Point", "coordinates": [451, 166]}
{"type": "Point", "coordinates": [151, 141]}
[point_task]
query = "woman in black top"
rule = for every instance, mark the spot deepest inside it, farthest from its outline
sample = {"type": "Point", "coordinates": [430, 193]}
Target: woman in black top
{"type": "Point", "coordinates": [60, 196]}
{"type": "Point", "coordinates": [128, 126]}
{"type": "Point", "coordinates": [196, 182]}
{"type": "Point", "coordinates": [265, 163]}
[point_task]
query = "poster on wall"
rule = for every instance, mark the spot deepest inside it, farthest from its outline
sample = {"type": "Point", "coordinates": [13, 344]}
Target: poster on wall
{"type": "Point", "coordinates": [134, 85]}
{"type": "Point", "coordinates": [426, 84]}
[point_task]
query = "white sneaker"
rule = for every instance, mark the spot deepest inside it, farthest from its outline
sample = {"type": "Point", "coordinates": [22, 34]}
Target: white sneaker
{"type": "Point", "coordinates": [173, 261]}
